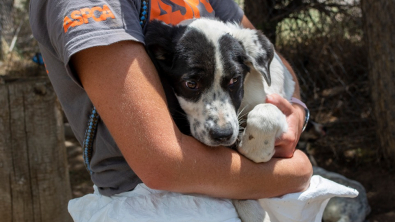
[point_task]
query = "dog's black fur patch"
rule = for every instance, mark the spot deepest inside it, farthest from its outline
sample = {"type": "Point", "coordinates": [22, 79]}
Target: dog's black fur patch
{"type": "Point", "coordinates": [190, 64]}
{"type": "Point", "coordinates": [160, 40]}
{"type": "Point", "coordinates": [234, 58]}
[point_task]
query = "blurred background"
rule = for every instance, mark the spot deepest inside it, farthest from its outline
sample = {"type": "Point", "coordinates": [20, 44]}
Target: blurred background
{"type": "Point", "coordinates": [343, 53]}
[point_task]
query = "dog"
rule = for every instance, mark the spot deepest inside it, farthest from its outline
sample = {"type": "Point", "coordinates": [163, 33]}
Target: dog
{"type": "Point", "coordinates": [216, 77]}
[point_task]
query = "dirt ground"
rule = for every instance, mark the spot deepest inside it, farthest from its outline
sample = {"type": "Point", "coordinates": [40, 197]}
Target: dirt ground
{"type": "Point", "coordinates": [379, 185]}
{"type": "Point", "coordinates": [378, 181]}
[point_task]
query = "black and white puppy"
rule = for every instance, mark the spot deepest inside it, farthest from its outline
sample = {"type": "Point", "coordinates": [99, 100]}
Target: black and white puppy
{"type": "Point", "coordinates": [220, 74]}
{"type": "Point", "coordinates": [216, 76]}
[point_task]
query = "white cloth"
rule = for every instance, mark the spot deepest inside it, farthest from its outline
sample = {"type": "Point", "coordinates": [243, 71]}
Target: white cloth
{"type": "Point", "coordinates": [145, 204]}
{"type": "Point", "coordinates": [306, 206]}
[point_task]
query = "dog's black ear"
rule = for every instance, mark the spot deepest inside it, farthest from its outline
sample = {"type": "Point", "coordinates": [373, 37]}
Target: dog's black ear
{"type": "Point", "coordinates": [259, 50]}
{"type": "Point", "coordinates": [160, 41]}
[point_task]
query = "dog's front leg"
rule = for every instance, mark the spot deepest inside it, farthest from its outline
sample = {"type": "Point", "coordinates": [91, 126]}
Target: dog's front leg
{"type": "Point", "coordinates": [250, 211]}
{"type": "Point", "coordinates": [265, 123]}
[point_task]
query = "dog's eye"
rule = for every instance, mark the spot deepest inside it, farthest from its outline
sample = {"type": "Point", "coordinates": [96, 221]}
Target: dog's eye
{"type": "Point", "coordinates": [233, 81]}
{"type": "Point", "coordinates": [191, 84]}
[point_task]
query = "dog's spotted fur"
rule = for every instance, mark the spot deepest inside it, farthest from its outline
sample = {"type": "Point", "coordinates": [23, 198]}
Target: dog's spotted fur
{"type": "Point", "coordinates": [216, 58]}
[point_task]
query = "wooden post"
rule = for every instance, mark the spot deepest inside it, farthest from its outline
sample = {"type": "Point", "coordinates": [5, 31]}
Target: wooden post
{"type": "Point", "coordinates": [34, 180]}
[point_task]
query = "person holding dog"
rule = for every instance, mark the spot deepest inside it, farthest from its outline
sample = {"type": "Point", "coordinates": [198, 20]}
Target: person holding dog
{"type": "Point", "coordinates": [94, 55]}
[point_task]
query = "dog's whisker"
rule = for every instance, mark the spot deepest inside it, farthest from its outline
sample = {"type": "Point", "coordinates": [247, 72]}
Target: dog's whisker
{"type": "Point", "coordinates": [241, 117]}
{"type": "Point", "coordinates": [240, 111]}
{"type": "Point", "coordinates": [180, 112]}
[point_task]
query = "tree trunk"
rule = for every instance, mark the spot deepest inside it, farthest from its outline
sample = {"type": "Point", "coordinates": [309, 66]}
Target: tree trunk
{"type": "Point", "coordinates": [380, 41]}
{"type": "Point", "coordinates": [260, 12]}
{"type": "Point", "coordinates": [34, 178]}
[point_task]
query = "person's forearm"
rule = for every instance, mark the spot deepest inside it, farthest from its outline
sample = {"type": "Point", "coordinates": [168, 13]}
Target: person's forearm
{"type": "Point", "coordinates": [221, 172]}
{"type": "Point", "coordinates": [126, 90]}
{"type": "Point", "coordinates": [301, 111]}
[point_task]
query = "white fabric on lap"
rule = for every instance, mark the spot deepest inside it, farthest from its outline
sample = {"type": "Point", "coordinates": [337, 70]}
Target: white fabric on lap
{"type": "Point", "coordinates": [306, 206]}
{"type": "Point", "coordinates": [145, 204]}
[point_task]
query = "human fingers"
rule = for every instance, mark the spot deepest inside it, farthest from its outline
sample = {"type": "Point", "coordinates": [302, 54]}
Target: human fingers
{"type": "Point", "coordinates": [284, 105]}
{"type": "Point", "coordinates": [285, 145]}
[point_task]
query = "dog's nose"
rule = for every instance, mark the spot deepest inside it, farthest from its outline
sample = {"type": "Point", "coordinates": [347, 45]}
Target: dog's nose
{"type": "Point", "coordinates": [221, 135]}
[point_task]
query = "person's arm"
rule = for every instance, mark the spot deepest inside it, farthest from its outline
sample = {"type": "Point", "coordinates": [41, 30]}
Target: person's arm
{"type": "Point", "coordinates": [124, 86]}
{"type": "Point", "coordinates": [286, 144]}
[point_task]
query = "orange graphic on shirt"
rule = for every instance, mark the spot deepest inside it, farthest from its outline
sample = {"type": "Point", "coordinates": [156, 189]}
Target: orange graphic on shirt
{"type": "Point", "coordinates": [175, 11]}
{"type": "Point", "coordinates": [81, 16]}
{"type": "Point", "coordinates": [45, 65]}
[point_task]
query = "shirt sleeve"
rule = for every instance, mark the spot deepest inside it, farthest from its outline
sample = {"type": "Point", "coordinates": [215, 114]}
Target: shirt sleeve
{"type": "Point", "coordinates": [227, 10]}
{"type": "Point", "coordinates": [66, 27]}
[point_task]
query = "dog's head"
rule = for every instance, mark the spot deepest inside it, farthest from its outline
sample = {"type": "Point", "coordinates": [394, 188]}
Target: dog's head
{"type": "Point", "coordinates": [207, 62]}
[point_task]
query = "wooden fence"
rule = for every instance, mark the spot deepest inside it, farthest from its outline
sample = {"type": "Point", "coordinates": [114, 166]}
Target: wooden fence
{"type": "Point", "coordinates": [34, 180]}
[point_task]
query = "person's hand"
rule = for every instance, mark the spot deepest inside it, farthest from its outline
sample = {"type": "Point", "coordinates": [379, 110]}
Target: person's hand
{"type": "Point", "coordinates": [285, 145]}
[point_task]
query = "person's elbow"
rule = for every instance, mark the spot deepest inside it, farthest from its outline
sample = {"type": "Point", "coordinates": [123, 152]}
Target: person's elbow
{"type": "Point", "coordinates": [160, 180]}
{"type": "Point", "coordinates": [162, 172]}
{"type": "Point", "coordinates": [304, 172]}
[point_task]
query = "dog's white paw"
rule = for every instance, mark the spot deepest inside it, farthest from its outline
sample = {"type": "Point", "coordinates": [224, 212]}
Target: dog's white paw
{"type": "Point", "coordinates": [265, 123]}
{"type": "Point", "coordinates": [249, 210]}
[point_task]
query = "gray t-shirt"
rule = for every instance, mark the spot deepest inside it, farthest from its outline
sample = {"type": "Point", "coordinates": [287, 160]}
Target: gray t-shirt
{"type": "Point", "coordinates": [65, 27]}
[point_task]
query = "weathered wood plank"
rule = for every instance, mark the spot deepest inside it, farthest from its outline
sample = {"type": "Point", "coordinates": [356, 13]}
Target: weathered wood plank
{"type": "Point", "coordinates": [5, 157]}
{"type": "Point", "coordinates": [22, 207]}
{"type": "Point", "coordinates": [47, 152]}
{"type": "Point", "coordinates": [39, 182]}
